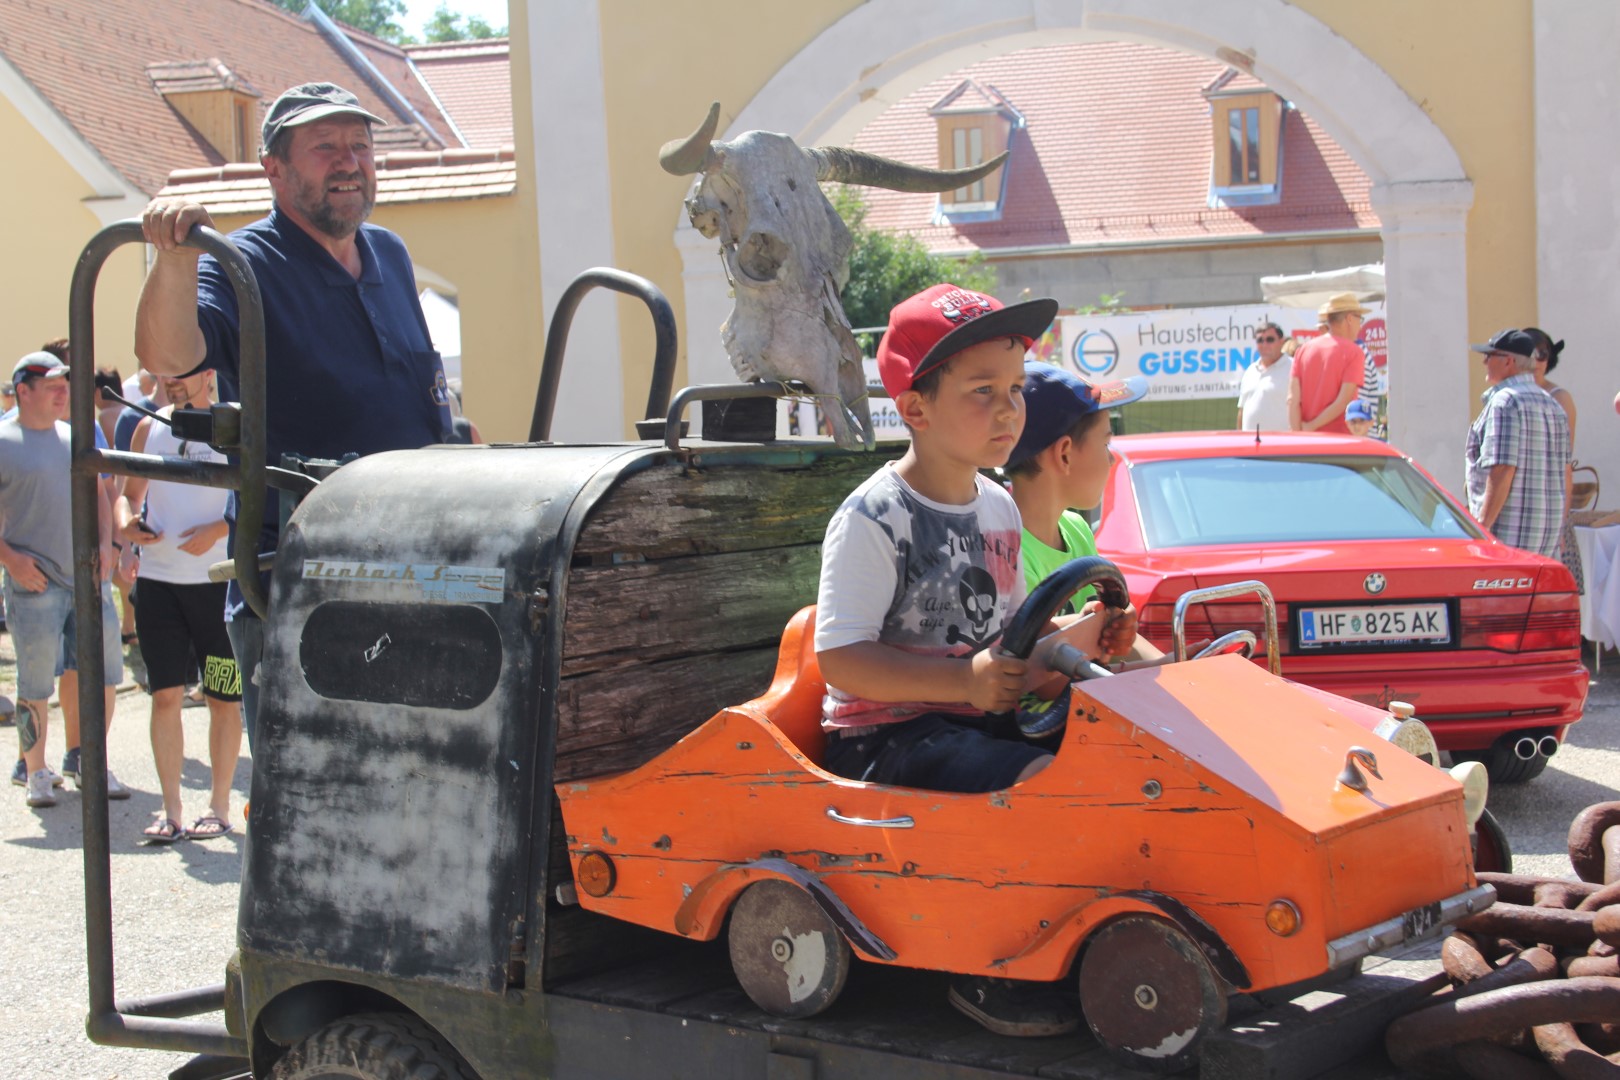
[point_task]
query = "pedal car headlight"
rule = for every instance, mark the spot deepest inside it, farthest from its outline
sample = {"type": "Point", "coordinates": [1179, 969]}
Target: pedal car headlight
{"type": "Point", "coordinates": [1476, 784]}
{"type": "Point", "coordinates": [1409, 733]}
{"type": "Point", "coordinates": [595, 874]}
{"type": "Point", "coordinates": [1282, 917]}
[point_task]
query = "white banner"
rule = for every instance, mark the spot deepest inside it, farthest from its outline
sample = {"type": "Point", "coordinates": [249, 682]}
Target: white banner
{"type": "Point", "coordinates": [1186, 354]}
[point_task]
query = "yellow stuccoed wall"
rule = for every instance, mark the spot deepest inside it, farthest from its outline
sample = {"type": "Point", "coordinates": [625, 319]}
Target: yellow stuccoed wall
{"type": "Point", "coordinates": [1467, 63]}
{"type": "Point", "coordinates": [45, 231]}
{"type": "Point", "coordinates": [1470, 65]}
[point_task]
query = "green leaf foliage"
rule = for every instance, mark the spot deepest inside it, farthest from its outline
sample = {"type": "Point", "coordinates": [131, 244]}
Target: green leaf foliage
{"type": "Point", "coordinates": [446, 25]}
{"type": "Point", "coordinates": [885, 268]}
{"type": "Point", "coordinates": [375, 17]}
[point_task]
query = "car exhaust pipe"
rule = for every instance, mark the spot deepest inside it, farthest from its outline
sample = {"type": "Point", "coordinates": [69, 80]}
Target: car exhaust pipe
{"type": "Point", "coordinates": [1547, 746]}
{"type": "Point", "coordinates": [1526, 748]}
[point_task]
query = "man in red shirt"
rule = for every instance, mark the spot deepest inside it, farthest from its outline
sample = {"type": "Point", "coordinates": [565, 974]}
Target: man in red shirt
{"type": "Point", "coordinates": [1328, 369]}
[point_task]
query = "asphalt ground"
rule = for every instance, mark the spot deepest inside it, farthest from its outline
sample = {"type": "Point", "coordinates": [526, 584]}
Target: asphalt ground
{"type": "Point", "coordinates": [174, 908]}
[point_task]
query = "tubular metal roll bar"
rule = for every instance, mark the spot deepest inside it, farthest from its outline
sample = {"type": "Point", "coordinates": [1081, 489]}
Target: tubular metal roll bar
{"type": "Point", "coordinates": [155, 1023]}
{"type": "Point", "coordinates": [663, 317]}
{"type": "Point", "coordinates": [1178, 622]}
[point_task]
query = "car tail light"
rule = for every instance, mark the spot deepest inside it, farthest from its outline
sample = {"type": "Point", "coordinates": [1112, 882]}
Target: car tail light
{"type": "Point", "coordinates": [1493, 622]}
{"type": "Point", "coordinates": [1550, 620]}
{"type": "Point", "coordinates": [1554, 622]}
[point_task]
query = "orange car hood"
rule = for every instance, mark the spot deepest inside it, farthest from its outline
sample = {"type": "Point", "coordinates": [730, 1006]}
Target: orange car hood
{"type": "Point", "coordinates": [1280, 743]}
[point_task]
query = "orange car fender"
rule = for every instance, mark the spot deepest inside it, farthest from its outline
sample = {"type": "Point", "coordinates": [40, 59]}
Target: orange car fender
{"type": "Point", "coordinates": [1070, 931]}
{"type": "Point", "coordinates": [704, 909]}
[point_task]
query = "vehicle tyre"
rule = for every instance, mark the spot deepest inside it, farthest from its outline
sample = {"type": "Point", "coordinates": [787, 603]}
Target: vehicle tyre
{"type": "Point", "coordinates": [1502, 764]}
{"type": "Point", "coordinates": [1492, 852]}
{"type": "Point", "coordinates": [787, 954]}
{"type": "Point", "coordinates": [1149, 994]}
{"type": "Point", "coordinates": [373, 1046]}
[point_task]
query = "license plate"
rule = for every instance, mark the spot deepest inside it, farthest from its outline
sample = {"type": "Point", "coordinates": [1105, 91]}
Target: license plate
{"type": "Point", "coordinates": [1420, 921]}
{"type": "Point", "coordinates": [1428, 623]}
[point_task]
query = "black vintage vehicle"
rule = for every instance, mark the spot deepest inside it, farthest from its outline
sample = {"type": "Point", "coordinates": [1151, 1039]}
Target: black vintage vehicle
{"type": "Point", "coordinates": [450, 633]}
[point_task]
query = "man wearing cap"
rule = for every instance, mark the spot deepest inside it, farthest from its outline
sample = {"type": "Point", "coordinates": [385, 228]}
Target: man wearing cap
{"type": "Point", "coordinates": [36, 549]}
{"type": "Point", "coordinates": [350, 366]}
{"type": "Point", "coordinates": [1518, 453]}
{"type": "Point", "coordinates": [1328, 370]}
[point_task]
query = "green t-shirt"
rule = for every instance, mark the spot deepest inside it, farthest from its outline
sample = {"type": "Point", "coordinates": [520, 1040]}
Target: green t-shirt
{"type": "Point", "coordinates": [1040, 560]}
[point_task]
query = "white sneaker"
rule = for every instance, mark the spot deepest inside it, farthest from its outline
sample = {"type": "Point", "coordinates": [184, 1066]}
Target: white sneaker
{"type": "Point", "coordinates": [115, 790]}
{"type": "Point", "coordinates": [56, 777]}
{"type": "Point", "coordinates": [39, 789]}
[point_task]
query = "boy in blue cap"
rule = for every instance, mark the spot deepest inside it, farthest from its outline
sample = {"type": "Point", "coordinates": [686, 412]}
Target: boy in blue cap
{"type": "Point", "coordinates": [1059, 467]}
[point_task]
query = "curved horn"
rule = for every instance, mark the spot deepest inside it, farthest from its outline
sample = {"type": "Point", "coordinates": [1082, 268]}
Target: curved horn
{"type": "Point", "coordinates": [683, 157]}
{"type": "Point", "coordinates": [848, 166]}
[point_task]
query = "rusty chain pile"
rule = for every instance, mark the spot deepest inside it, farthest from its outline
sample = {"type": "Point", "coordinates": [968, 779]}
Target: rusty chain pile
{"type": "Point", "coordinates": [1535, 978]}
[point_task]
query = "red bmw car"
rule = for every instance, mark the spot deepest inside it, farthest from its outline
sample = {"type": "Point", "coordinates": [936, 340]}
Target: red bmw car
{"type": "Point", "coordinates": [1386, 588]}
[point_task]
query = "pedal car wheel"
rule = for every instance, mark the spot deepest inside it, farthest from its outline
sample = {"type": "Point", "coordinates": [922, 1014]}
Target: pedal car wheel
{"type": "Point", "coordinates": [1148, 994]}
{"type": "Point", "coordinates": [1492, 852]}
{"type": "Point", "coordinates": [788, 956]}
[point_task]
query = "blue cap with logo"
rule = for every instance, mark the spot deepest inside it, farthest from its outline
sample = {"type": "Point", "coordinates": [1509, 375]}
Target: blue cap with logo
{"type": "Point", "coordinates": [1358, 410]}
{"type": "Point", "coordinates": [1055, 399]}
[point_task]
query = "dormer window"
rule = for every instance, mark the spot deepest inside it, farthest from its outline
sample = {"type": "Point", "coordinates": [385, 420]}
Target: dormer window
{"type": "Point", "coordinates": [975, 123]}
{"type": "Point", "coordinates": [219, 105]}
{"type": "Point", "coordinates": [1246, 137]}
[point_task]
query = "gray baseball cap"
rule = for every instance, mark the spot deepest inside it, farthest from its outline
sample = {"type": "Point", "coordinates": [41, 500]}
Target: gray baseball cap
{"type": "Point", "coordinates": [307, 103]}
{"type": "Point", "coordinates": [38, 365]}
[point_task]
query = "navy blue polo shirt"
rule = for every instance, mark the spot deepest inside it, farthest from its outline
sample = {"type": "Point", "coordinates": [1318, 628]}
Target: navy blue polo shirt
{"type": "Point", "coordinates": [349, 364]}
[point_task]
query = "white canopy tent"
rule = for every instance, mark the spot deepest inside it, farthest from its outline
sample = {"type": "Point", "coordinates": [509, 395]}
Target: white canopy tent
{"type": "Point", "coordinates": [1314, 290]}
{"type": "Point", "coordinates": [444, 324]}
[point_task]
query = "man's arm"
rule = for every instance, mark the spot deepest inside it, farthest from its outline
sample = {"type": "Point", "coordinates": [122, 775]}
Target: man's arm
{"type": "Point", "coordinates": [1497, 484]}
{"type": "Point", "coordinates": [22, 568]}
{"type": "Point", "coordinates": [1294, 419]}
{"type": "Point", "coordinates": [167, 338]}
{"type": "Point", "coordinates": [1347, 394]}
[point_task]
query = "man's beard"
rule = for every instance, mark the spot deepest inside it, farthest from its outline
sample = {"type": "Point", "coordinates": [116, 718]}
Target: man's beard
{"type": "Point", "coordinates": [312, 200]}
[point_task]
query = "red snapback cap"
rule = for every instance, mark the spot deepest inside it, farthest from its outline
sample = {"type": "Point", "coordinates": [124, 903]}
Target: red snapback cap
{"type": "Point", "coordinates": [936, 324]}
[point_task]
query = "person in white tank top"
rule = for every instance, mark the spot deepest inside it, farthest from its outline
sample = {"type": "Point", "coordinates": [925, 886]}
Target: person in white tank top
{"type": "Point", "coordinates": [180, 614]}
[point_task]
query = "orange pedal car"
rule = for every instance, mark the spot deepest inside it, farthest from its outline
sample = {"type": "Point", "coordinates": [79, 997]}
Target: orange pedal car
{"type": "Point", "coordinates": [1206, 828]}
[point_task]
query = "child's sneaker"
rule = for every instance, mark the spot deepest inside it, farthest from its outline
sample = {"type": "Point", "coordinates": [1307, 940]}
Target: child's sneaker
{"type": "Point", "coordinates": [39, 790]}
{"type": "Point", "coordinates": [19, 773]}
{"type": "Point", "coordinates": [115, 790]}
{"type": "Point", "coordinates": [70, 764]}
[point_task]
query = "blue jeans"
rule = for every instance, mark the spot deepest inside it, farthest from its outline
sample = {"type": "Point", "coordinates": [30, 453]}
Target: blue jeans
{"type": "Point", "coordinates": [43, 633]}
{"type": "Point", "coordinates": [247, 642]}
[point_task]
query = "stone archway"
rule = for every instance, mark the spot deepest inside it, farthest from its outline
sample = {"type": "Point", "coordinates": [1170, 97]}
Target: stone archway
{"type": "Point", "coordinates": [852, 71]}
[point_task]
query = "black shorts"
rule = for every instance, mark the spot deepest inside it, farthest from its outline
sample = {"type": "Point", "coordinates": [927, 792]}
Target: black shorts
{"type": "Point", "coordinates": [936, 752]}
{"type": "Point", "coordinates": [177, 622]}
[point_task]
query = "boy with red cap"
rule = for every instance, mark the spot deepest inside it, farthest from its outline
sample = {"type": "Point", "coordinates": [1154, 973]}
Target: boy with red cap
{"type": "Point", "coordinates": [921, 569]}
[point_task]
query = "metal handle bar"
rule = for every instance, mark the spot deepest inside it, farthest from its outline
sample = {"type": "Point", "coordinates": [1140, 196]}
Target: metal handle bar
{"type": "Point", "coordinates": [663, 317]}
{"type": "Point", "coordinates": [903, 822]}
{"type": "Point", "coordinates": [765, 388]}
{"type": "Point", "coordinates": [1178, 623]}
{"type": "Point", "coordinates": [161, 1026]}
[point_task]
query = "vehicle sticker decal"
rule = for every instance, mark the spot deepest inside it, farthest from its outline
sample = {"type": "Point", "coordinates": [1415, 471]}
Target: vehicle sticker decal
{"type": "Point", "coordinates": [436, 583]}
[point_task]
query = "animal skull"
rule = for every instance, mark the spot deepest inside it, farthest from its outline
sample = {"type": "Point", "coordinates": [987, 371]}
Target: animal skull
{"type": "Point", "coordinates": [786, 252]}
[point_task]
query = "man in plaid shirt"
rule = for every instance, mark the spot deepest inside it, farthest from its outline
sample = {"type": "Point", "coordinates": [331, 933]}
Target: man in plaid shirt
{"type": "Point", "coordinates": [1518, 451]}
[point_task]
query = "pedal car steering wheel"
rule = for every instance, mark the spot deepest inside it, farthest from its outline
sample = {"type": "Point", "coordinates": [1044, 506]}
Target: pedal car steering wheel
{"type": "Point", "coordinates": [1025, 627]}
{"type": "Point", "coordinates": [1236, 641]}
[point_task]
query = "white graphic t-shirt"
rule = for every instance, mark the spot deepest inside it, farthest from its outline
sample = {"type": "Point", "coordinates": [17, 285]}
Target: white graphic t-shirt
{"type": "Point", "coordinates": [917, 575]}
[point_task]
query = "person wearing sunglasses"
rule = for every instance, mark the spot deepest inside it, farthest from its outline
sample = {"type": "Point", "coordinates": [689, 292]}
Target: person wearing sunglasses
{"type": "Point", "coordinates": [1263, 390]}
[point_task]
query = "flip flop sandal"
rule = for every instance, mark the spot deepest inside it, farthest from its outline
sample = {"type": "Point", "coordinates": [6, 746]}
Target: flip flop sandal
{"type": "Point", "coordinates": [163, 832]}
{"type": "Point", "coordinates": [208, 827]}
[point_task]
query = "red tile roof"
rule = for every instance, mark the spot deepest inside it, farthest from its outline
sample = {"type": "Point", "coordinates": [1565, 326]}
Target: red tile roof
{"type": "Point", "coordinates": [473, 81]}
{"type": "Point", "coordinates": [89, 59]}
{"type": "Point", "coordinates": [1117, 148]}
{"type": "Point", "coordinates": [402, 177]}
{"type": "Point", "coordinates": [191, 76]}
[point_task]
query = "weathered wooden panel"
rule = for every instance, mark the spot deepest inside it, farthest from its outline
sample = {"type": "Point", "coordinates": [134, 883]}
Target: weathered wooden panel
{"type": "Point", "coordinates": [648, 611]}
{"type": "Point", "coordinates": [609, 721]}
{"type": "Point", "coordinates": [664, 512]}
